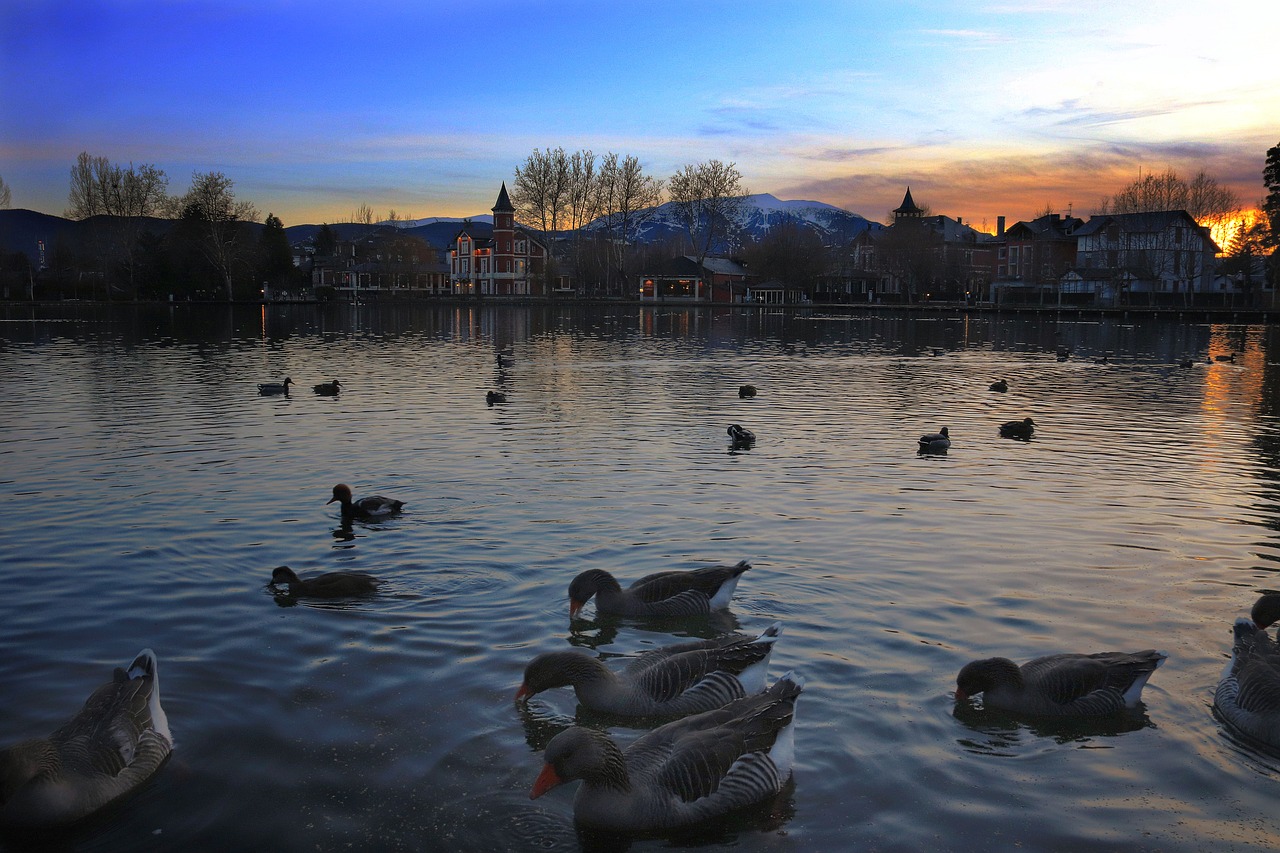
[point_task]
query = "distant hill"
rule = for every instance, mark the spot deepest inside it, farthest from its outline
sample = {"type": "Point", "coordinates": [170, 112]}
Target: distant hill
{"type": "Point", "coordinates": [20, 230]}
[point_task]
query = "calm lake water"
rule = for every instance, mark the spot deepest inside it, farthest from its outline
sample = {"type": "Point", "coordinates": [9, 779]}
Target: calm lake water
{"type": "Point", "coordinates": [149, 491]}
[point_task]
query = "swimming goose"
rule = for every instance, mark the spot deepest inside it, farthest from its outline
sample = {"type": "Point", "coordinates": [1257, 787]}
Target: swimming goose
{"type": "Point", "coordinates": [680, 679]}
{"type": "Point", "coordinates": [367, 508]}
{"type": "Point", "coordinates": [741, 436]}
{"type": "Point", "coordinates": [684, 772]}
{"type": "Point", "coordinates": [745, 391]}
{"type": "Point", "coordinates": [327, 389]}
{"type": "Point", "coordinates": [495, 397]}
{"type": "Point", "coordinates": [999, 385]}
{"type": "Point", "coordinates": [673, 593]}
{"type": "Point", "coordinates": [936, 442]}
{"type": "Point", "coordinates": [1266, 610]}
{"type": "Point", "coordinates": [1061, 685]}
{"type": "Point", "coordinates": [328, 585]}
{"type": "Point", "coordinates": [1248, 694]}
{"type": "Point", "coordinates": [1018, 429]}
{"type": "Point", "coordinates": [115, 743]}
{"type": "Point", "coordinates": [267, 389]}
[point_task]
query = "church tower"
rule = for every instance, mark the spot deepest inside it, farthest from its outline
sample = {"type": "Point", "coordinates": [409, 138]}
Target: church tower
{"type": "Point", "coordinates": [907, 210]}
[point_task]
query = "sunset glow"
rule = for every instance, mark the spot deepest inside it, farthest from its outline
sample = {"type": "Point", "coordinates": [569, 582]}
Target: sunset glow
{"type": "Point", "coordinates": [985, 110]}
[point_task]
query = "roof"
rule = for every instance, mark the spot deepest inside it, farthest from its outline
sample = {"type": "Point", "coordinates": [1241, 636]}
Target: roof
{"type": "Point", "coordinates": [908, 204]}
{"type": "Point", "coordinates": [503, 204]}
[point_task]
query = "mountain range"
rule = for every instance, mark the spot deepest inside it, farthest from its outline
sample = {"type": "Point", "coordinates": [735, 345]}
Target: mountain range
{"type": "Point", "coordinates": [21, 229]}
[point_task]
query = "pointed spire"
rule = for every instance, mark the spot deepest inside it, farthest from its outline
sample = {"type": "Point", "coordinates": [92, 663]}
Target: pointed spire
{"type": "Point", "coordinates": [503, 205]}
{"type": "Point", "coordinates": [908, 207]}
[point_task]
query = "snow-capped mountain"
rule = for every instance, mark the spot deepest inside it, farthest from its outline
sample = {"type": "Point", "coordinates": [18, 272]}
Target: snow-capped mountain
{"type": "Point", "coordinates": [759, 213]}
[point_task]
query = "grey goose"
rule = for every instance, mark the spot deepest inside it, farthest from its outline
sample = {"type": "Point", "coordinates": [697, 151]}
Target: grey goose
{"type": "Point", "coordinates": [675, 680]}
{"type": "Point", "coordinates": [1061, 685]}
{"type": "Point", "coordinates": [673, 593]}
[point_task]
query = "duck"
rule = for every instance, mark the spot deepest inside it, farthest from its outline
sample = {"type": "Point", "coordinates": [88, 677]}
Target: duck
{"type": "Point", "coordinates": [999, 385]}
{"type": "Point", "coordinates": [676, 680]}
{"type": "Point", "coordinates": [328, 585]}
{"type": "Point", "coordinates": [672, 593]}
{"type": "Point", "coordinates": [1186, 362]}
{"type": "Point", "coordinates": [367, 508]}
{"type": "Point", "coordinates": [1248, 693]}
{"type": "Point", "coordinates": [327, 389]}
{"type": "Point", "coordinates": [114, 744]}
{"type": "Point", "coordinates": [687, 771]}
{"type": "Point", "coordinates": [745, 391]}
{"type": "Point", "coordinates": [1227, 357]}
{"type": "Point", "coordinates": [267, 389]}
{"type": "Point", "coordinates": [936, 442]}
{"type": "Point", "coordinates": [495, 397]}
{"type": "Point", "coordinates": [1061, 685]}
{"type": "Point", "coordinates": [1018, 429]}
{"type": "Point", "coordinates": [741, 436]}
{"type": "Point", "coordinates": [1063, 353]}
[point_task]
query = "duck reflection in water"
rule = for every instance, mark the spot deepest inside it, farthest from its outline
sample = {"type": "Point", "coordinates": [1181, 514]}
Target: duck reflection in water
{"type": "Point", "coordinates": [996, 732]}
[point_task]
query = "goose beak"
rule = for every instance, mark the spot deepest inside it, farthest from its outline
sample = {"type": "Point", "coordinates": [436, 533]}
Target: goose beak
{"type": "Point", "coordinates": [546, 780]}
{"type": "Point", "coordinates": [961, 696]}
{"type": "Point", "coordinates": [575, 607]}
{"type": "Point", "coordinates": [523, 692]}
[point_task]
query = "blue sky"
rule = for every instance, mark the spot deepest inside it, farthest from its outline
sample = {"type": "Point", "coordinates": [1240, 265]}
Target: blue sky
{"type": "Point", "coordinates": [313, 109]}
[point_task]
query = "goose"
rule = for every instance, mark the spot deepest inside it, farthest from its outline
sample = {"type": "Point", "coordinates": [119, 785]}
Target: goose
{"type": "Point", "coordinates": [1248, 694]}
{"type": "Point", "coordinates": [745, 391]}
{"type": "Point", "coordinates": [1018, 429]}
{"type": "Point", "coordinates": [999, 385]}
{"type": "Point", "coordinates": [673, 593]}
{"type": "Point", "coordinates": [495, 397]}
{"type": "Point", "coordinates": [1266, 610]}
{"type": "Point", "coordinates": [328, 585]}
{"type": "Point", "coordinates": [367, 508]}
{"type": "Point", "coordinates": [684, 772]}
{"type": "Point", "coordinates": [267, 389]}
{"type": "Point", "coordinates": [741, 436]}
{"type": "Point", "coordinates": [327, 389]}
{"type": "Point", "coordinates": [1061, 685]}
{"type": "Point", "coordinates": [936, 442]}
{"type": "Point", "coordinates": [675, 680]}
{"type": "Point", "coordinates": [115, 743]}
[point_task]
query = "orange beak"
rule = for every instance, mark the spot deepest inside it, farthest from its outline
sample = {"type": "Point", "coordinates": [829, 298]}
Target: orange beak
{"type": "Point", "coordinates": [546, 780]}
{"type": "Point", "coordinates": [961, 696]}
{"type": "Point", "coordinates": [574, 608]}
{"type": "Point", "coordinates": [522, 692]}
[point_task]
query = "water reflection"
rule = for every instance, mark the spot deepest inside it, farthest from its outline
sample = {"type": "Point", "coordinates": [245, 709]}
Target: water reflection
{"type": "Point", "coordinates": [999, 734]}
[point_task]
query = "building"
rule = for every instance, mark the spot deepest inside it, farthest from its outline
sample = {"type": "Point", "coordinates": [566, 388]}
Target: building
{"type": "Point", "coordinates": [384, 262]}
{"type": "Point", "coordinates": [1165, 255]}
{"type": "Point", "coordinates": [1034, 257]}
{"type": "Point", "coordinates": [508, 262]}
{"type": "Point", "coordinates": [721, 280]}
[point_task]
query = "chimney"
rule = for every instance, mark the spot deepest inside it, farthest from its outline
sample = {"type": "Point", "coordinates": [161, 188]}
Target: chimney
{"type": "Point", "coordinates": [999, 226]}
{"type": "Point", "coordinates": [959, 220]}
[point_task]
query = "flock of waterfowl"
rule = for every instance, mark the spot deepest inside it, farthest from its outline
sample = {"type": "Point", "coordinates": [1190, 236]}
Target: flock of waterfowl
{"type": "Point", "coordinates": [726, 739]}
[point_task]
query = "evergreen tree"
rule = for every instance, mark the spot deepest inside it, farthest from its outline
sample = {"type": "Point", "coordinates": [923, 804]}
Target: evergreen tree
{"type": "Point", "coordinates": [325, 241]}
{"type": "Point", "coordinates": [1271, 209]}
{"type": "Point", "coordinates": [275, 256]}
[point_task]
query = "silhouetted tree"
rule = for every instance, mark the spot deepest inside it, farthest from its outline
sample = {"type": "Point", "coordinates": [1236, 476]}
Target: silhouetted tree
{"type": "Point", "coordinates": [216, 220]}
{"type": "Point", "coordinates": [707, 197]}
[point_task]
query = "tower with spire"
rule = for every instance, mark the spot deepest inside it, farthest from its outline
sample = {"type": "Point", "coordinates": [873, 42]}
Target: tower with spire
{"type": "Point", "coordinates": [907, 210]}
{"type": "Point", "coordinates": [504, 234]}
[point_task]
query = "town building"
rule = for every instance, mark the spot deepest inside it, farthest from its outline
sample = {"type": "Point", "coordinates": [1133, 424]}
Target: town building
{"type": "Point", "coordinates": [1165, 257]}
{"type": "Point", "coordinates": [509, 261]}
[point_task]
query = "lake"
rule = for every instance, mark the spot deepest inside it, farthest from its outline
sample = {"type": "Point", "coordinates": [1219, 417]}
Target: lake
{"type": "Point", "coordinates": [150, 490]}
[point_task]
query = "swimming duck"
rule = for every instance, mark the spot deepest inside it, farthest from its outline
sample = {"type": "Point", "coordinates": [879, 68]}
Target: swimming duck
{"type": "Point", "coordinates": [328, 585]}
{"type": "Point", "coordinates": [1248, 694]}
{"type": "Point", "coordinates": [1228, 357]}
{"type": "Point", "coordinates": [268, 389]}
{"type": "Point", "coordinates": [327, 389]}
{"type": "Point", "coordinates": [672, 593]}
{"type": "Point", "coordinates": [741, 436]}
{"type": "Point", "coordinates": [684, 772]}
{"type": "Point", "coordinates": [680, 679]}
{"type": "Point", "coordinates": [999, 385]}
{"type": "Point", "coordinates": [1018, 429]}
{"type": "Point", "coordinates": [367, 508]}
{"type": "Point", "coordinates": [745, 391]}
{"type": "Point", "coordinates": [1186, 362]}
{"type": "Point", "coordinates": [115, 743]}
{"type": "Point", "coordinates": [936, 442]}
{"type": "Point", "coordinates": [495, 397]}
{"type": "Point", "coordinates": [1062, 685]}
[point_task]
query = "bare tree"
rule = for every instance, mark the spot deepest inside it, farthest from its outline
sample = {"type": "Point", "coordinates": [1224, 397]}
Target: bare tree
{"type": "Point", "coordinates": [216, 220]}
{"type": "Point", "coordinates": [6, 195]}
{"type": "Point", "coordinates": [628, 198]}
{"type": "Point", "coordinates": [1208, 202]}
{"type": "Point", "coordinates": [128, 196]}
{"type": "Point", "coordinates": [540, 193]}
{"type": "Point", "coordinates": [707, 196]}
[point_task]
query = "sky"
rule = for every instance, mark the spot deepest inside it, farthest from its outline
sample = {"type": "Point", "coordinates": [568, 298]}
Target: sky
{"type": "Point", "coordinates": [984, 109]}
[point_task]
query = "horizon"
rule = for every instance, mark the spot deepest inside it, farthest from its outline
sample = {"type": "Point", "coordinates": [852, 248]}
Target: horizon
{"type": "Point", "coordinates": [999, 111]}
